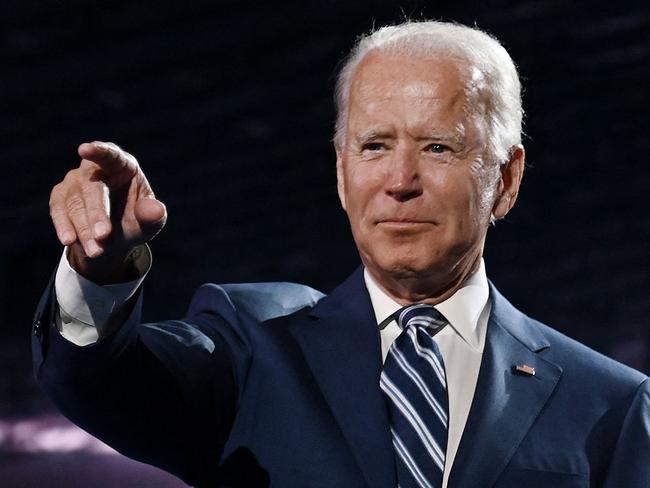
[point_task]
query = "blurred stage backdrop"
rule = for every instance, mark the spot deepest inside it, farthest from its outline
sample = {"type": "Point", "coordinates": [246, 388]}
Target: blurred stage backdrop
{"type": "Point", "coordinates": [228, 107]}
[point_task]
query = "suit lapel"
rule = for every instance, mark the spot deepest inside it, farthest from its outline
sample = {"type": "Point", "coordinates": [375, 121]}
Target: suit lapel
{"type": "Point", "coordinates": [343, 350]}
{"type": "Point", "coordinates": [505, 403]}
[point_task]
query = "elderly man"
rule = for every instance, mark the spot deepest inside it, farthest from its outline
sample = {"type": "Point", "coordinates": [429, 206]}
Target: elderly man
{"type": "Point", "coordinates": [414, 372]}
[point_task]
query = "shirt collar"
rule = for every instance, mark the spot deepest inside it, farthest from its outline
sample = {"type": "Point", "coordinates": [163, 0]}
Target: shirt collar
{"type": "Point", "coordinates": [462, 309]}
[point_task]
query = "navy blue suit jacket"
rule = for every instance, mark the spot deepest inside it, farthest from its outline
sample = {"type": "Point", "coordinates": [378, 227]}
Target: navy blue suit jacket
{"type": "Point", "coordinates": [275, 383]}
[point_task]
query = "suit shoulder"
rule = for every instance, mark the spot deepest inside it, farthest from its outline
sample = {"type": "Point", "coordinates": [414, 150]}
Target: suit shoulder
{"type": "Point", "coordinates": [581, 365]}
{"type": "Point", "coordinates": [260, 301]}
{"type": "Point", "coordinates": [593, 366]}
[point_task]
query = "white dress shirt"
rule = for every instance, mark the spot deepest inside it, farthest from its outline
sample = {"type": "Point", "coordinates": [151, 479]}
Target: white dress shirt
{"type": "Point", "coordinates": [85, 308]}
{"type": "Point", "coordinates": [461, 344]}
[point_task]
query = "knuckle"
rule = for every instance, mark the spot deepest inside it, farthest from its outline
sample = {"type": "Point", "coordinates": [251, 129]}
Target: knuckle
{"type": "Point", "coordinates": [96, 197]}
{"type": "Point", "coordinates": [112, 146]}
{"type": "Point", "coordinates": [70, 175]}
{"type": "Point", "coordinates": [74, 204]}
{"type": "Point", "coordinates": [54, 195]}
{"type": "Point", "coordinates": [57, 194]}
{"type": "Point", "coordinates": [130, 158]}
{"type": "Point", "coordinates": [95, 212]}
{"type": "Point", "coordinates": [83, 230]}
{"type": "Point", "coordinates": [113, 150]}
{"type": "Point", "coordinates": [129, 163]}
{"type": "Point", "coordinates": [55, 210]}
{"type": "Point", "coordinates": [86, 172]}
{"type": "Point", "coordinates": [91, 188]}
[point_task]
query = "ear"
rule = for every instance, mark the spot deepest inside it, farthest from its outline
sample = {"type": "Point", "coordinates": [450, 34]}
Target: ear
{"type": "Point", "coordinates": [511, 174]}
{"type": "Point", "coordinates": [340, 178]}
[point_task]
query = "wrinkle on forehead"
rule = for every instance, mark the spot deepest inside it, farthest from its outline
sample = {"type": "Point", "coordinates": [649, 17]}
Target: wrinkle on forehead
{"type": "Point", "coordinates": [408, 99]}
{"type": "Point", "coordinates": [399, 84]}
{"type": "Point", "coordinates": [381, 76]}
{"type": "Point", "coordinates": [429, 90]}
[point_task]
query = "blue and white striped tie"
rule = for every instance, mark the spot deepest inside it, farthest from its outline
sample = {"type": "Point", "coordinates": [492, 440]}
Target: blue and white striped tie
{"type": "Point", "coordinates": [413, 380]}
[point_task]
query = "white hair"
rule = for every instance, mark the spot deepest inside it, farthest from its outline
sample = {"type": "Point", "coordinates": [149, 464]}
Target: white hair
{"type": "Point", "coordinates": [491, 75]}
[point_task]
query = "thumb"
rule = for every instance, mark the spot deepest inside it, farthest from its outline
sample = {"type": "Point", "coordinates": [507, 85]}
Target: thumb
{"type": "Point", "coordinates": [151, 215]}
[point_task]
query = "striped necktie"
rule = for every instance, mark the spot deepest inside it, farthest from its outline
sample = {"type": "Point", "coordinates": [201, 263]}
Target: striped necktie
{"type": "Point", "coordinates": [413, 381]}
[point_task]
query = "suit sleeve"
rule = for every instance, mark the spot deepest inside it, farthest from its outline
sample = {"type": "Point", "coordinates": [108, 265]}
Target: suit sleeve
{"type": "Point", "coordinates": [630, 465]}
{"type": "Point", "coordinates": [163, 393]}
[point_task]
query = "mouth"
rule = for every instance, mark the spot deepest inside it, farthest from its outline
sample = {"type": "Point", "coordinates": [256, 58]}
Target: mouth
{"type": "Point", "coordinates": [404, 223]}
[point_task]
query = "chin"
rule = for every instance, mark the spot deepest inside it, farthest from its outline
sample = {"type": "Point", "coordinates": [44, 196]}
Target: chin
{"type": "Point", "coordinates": [400, 266]}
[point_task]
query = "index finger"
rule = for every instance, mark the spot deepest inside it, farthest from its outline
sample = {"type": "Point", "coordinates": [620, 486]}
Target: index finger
{"type": "Point", "coordinates": [109, 157]}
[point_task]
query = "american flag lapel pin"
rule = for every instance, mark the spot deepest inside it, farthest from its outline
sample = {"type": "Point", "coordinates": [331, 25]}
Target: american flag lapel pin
{"type": "Point", "coordinates": [524, 370]}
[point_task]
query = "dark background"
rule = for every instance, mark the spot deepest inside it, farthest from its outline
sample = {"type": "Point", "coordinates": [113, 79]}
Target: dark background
{"type": "Point", "coordinates": [228, 107]}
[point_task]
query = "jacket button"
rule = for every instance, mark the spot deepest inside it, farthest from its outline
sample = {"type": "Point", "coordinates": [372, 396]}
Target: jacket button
{"type": "Point", "coordinates": [36, 328]}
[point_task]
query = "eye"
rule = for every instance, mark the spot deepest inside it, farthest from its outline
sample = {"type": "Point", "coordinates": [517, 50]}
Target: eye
{"type": "Point", "coordinates": [372, 146]}
{"type": "Point", "coordinates": [437, 148]}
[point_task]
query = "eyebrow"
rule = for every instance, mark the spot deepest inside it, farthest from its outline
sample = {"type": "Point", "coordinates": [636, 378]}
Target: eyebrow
{"type": "Point", "coordinates": [455, 135]}
{"type": "Point", "coordinates": [455, 138]}
{"type": "Point", "coordinates": [374, 134]}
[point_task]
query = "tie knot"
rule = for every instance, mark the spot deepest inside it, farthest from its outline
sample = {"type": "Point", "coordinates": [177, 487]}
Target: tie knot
{"type": "Point", "coordinates": [420, 315]}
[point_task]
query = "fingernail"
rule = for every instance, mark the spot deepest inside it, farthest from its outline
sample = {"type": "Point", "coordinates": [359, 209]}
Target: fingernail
{"type": "Point", "coordinates": [101, 229]}
{"type": "Point", "coordinates": [67, 237]}
{"type": "Point", "coordinates": [92, 249]}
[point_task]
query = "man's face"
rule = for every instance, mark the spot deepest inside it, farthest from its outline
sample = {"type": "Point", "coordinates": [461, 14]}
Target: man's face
{"type": "Point", "coordinates": [411, 173]}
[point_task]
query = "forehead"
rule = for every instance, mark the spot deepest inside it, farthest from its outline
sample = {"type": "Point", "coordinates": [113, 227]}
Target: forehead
{"type": "Point", "coordinates": [389, 76]}
{"type": "Point", "coordinates": [421, 97]}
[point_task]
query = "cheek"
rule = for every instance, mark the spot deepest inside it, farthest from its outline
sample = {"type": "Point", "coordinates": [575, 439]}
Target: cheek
{"type": "Point", "coordinates": [362, 186]}
{"type": "Point", "coordinates": [456, 192]}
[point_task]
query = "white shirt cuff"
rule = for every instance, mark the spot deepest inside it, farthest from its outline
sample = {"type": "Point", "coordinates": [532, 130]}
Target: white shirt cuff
{"type": "Point", "coordinates": [86, 306]}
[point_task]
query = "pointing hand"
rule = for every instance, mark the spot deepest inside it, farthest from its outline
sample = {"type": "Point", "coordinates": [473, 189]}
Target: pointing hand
{"type": "Point", "coordinates": [103, 209]}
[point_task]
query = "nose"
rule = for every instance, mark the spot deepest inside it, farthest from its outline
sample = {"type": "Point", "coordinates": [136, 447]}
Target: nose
{"type": "Point", "coordinates": [403, 178]}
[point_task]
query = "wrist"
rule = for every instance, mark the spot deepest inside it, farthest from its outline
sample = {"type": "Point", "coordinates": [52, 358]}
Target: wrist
{"type": "Point", "coordinates": [106, 269]}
